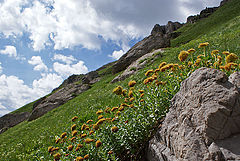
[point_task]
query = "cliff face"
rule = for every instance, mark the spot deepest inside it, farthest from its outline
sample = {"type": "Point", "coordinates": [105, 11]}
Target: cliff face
{"type": "Point", "coordinates": [203, 122]}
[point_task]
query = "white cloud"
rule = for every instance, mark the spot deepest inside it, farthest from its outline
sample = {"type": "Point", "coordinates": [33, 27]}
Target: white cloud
{"type": "Point", "coordinates": [66, 59]}
{"type": "Point", "coordinates": [14, 93]}
{"type": "Point", "coordinates": [10, 51]}
{"type": "Point", "coordinates": [11, 19]}
{"type": "Point", "coordinates": [38, 63]}
{"type": "Point", "coordinates": [117, 54]}
{"type": "Point", "coordinates": [46, 83]}
{"type": "Point", "coordinates": [0, 68]}
{"type": "Point", "coordinates": [66, 69]}
{"type": "Point", "coordinates": [86, 22]}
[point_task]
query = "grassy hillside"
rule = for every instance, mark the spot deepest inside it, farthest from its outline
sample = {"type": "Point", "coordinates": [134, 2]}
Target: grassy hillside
{"type": "Point", "coordinates": [30, 140]}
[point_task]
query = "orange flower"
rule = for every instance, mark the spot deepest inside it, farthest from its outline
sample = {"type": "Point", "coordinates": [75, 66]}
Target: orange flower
{"type": "Point", "coordinates": [107, 110]}
{"type": "Point", "coordinates": [183, 55]}
{"type": "Point", "coordinates": [79, 159]}
{"type": "Point", "coordinates": [161, 65]}
{"type": "Point", "coordinates": [114, 108]}
{"type": "Point", "coordinates": [86, 156]}
{"type": "Point", "coordinates": [70, 147]}
{"type": "Point", "coordinates": [57, 156]}
{"type": "Point", "coordinates": [83, 135]}
{"type": "Point", "coordinates": [80, 145]}
{"type": "Point", "coordinates": [114, 129]}
{"type": "Point", "coordinates": [149, 72]}
{"type": "Point", "coordinates": [99, 112]}
{"type": "Point", "coordinates": [131, 83]}
{"type": "Point", "coordinates": [118, 90]}
{"type": "Point", "coordinates": [91, 132]}
{"type": "Point", "coordinates": [191, 50]}
{"type": "Point", "coordinates": [63, 135]}
{"type": "Point", "coordinates": [100, 121]}
{"type": "Point", "coordinates": [88, 140]}
{"type": "Point", "coordinates": [110, 152]}
{"type": "Point", "coordinates": [203, 45]}
{"type": "Point", "coordinates": [89, 121]}
{"type": "Point", "coordinates": [74, 133]}
{"type": "Point", "coordinates": [58, 140]}
{"type": "Point", "coordinates": [73, 138]}
{"type": "Point", "coordinates": [50, 148]}
{"type": "Point", "coordinates": [98, 143]}
{"type": "Point", "coordinates": [74, 118]}
{"type": "Point", "coordinates": [100, 117]}
{"type": "Point", "coordinates": [73, 127]}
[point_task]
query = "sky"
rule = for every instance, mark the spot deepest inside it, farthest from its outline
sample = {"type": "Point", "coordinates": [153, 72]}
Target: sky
{"type": "Point", "coordinates": [43, 42]}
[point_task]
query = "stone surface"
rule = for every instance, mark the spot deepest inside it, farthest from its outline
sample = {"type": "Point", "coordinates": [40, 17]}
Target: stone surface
{"type": "Point", "coordinates": [203, 122]}
{"type": "Point", "coordinates": [10, 120]}
{"type": "Point", "coordinates": [137, 65]}
{"type": "Point", "coordinates": [57, 99]}
{"type": "Point", "coordinates": [159, 38]}
{"type": "Point", "coordinates": [203, 14]}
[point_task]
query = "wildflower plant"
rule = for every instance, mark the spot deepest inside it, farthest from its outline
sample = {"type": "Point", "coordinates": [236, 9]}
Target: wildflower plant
{"type": "Point", "coordinates": [124, 127]}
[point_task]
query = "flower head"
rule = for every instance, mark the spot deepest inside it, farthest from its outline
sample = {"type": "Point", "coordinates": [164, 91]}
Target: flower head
{"type": "Point", "coordinates": [183, 55]}
{"type": "Point", "coordinates": [231, 58]}
{"type": "Point", "coordinates": [73, 127]}
{"type": "Point", "coordinates": [98, 143]}
{"type": "Point", "coordinates": [114, 129]}
{"type": "Point", "coordinates": [191, 51]}
{"type": "Point", "coordinates": [50, 149]}
{"type": "Point", "coordinates": [63, 135]}
{"type": "Point", "coordinates": [100, 117]}
{"type": "Point", "coordinates": [203, 45]}
{"type": "Point", "coordinates": [88, 140]}
{"type": "Point", "coordinates": [86, 156]}
{"type": "Point", "coordinates": [57, 156]}
{"type": "Point", "coordinates": [161, 65]}
{"type": "Point", "coordinates": [131, 83]}
{"type": "Point", "coordinates": [226, 53]}
{"type": "Point", "coordinates": [149, 72]}
{"type": "Point", "coordinates": [79, 158]}
{"type": "Point", "coordinates": [89, 121]}
{"type": "Point", "coordinates": [83, 135]}
{"type": "Point", "coordinates": [58, 140]}
{"type": "Point", "coordinates": [99, 112]}
{"type": "Point", "coordinates": [74, 118]}
{"type": "Point", "coordinates": [74, 133]}
{"type": "Point", "coordinates": [118, 90]}
{"type": "Point", "coordinates": [70, 147]}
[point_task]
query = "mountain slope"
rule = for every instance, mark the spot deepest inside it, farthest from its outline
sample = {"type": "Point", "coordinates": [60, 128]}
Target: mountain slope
{"type": "Point", "coordinates": [29, 140]}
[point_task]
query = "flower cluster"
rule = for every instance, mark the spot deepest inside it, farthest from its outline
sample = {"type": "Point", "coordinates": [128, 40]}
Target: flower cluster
{"type": "Point", "coordinates": [114, 130]}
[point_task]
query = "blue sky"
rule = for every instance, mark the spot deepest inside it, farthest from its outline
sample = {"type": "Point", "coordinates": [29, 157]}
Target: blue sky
{"type": "Point", "coordinates": [42, 42]}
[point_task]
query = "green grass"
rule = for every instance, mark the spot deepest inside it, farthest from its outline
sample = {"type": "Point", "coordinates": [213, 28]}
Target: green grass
{"type": "Point", "coordinates": [29, 140]}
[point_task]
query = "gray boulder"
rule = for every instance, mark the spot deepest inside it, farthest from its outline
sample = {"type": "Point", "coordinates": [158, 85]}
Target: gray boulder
{"type": "Point", "coordinates": [57, 99]}
{"type": "Point", "coordinates": [137, 65]}
{"type": "Point", "coordinates": [203, 122]}
{"type": "Point", "coordinates": [10, 120]}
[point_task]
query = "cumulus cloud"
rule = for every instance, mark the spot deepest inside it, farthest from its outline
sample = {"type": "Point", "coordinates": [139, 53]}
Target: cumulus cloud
{"type": "Point", "coordinates": [92, 21]}
{"type": "Point", "coordinates": [68, 69]}
{"type": "Point", "coordinates": [116, 54]}
{"type": "Point", "coordinates": [38, 63]}
{"type": "Point", "coordinates": [10, 51]}
{"type": "Point", "coordinates": [66, 59]}
{"type": "Point", "coordinates": [14, 93]}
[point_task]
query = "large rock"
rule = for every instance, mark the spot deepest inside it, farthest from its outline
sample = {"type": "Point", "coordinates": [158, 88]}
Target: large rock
{"type": "Point", "coordinates": [10, 120]}
{"type": "Point", "coordinates": [203, 122]}
{"type": "Point", "coordinates": [203, 14]}
{"type": "Point", "coordinates": [137, 65]}
{"type": "Point", "coordinates": [57, 99]}
{"type": "Point", "coordinates": [159, 38]}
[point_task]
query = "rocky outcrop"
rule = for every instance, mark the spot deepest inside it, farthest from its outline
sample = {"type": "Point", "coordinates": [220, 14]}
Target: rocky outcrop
{"type": "Point", "coordinates": [138, 64]}
{"type": "Point", "coordinates": [159, 38]}
{"type": "Point", "coordinates": [10, 120]}
{"type": "Point", "coordinates": [203, 122]}
{"type": "Point", "coordinates": [224, 2]}
{"type": "Point", "coordinates": [69, 89]}
{"type": "Point", "coordinates": [203, 14]}
{"type": "Point", "coordinates": [57, 99]}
